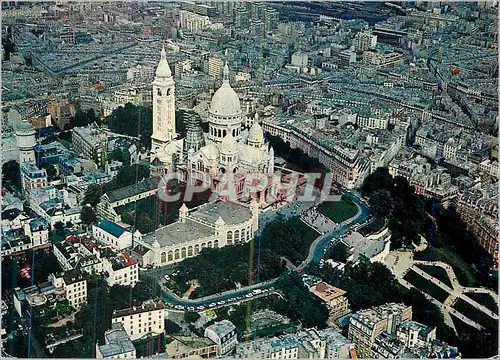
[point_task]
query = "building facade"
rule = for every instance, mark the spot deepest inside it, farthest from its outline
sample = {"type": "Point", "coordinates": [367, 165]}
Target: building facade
{"type": "Point", "coordinates": [139, 321]}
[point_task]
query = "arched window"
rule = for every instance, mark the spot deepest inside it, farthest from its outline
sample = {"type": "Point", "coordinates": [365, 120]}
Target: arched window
{"type": "Point", "coordinates": [229, 237]}
{"type": "Point", "coordinates": [248, 233]}
{"type": "Point", "coordinates": [224, 133]}
{"type": "Point", "coordinates": [209, 244]}
{"type": "Point", "coordinates": [234, 133]}
{"type": "Point", "coordinates": [176, 254]}
{"type": "Point", "coordinates": [236, 237]}
{"type": "Point", "coordinates": [190, 251]}
{"type": "Point", "coordinates": [163, 257]}
{"type": "Point", "coordinates": [196, 249]}
{"type": "Point", "coordinates": [242, 234]}
{"type": "Point", "coordinates": [170, 255]}
{"type": "Point", "coordinates": [183, 253]}
{"type": "Point", "coordinates": [203, 245]}
{"type": "Point", "coordinates": [216, 243]}
{"type": "Point", "coordinates": [218, 133]}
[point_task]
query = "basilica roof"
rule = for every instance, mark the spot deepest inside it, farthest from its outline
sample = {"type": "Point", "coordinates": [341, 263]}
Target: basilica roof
{"type": "Point", "coordinates": [225, 101]}
{"type": "Point", "coordinates": [232, 213]}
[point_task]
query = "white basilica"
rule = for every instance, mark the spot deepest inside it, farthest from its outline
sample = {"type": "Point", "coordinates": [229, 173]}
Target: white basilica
{"type": "Point", "coordinates": [230, 149]}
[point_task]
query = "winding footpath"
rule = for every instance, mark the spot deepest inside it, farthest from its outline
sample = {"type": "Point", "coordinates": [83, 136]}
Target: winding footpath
{"type": "Point", "coordinates": [315, 253]}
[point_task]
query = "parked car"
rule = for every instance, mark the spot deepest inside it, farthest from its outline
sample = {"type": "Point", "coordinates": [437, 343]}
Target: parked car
{"type": "Point", "coordinates": [212, 305]}
{"type": "Point", "coordinates": [190, 308]}
{"type": "Point", "coordinates": [200, 308]}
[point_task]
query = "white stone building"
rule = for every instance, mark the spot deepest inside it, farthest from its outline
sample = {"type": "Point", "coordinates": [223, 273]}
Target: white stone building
{"type": "Point", "coordinates": [211, 225]}
{"type": "Point", "coordinates": [139, 321]}
{"type": "Point", "coordinates": [230, 152]}
{"type": "Point", "coordinates": [110, 233]}
{"type": "Point", "coordinates": [223, 333]}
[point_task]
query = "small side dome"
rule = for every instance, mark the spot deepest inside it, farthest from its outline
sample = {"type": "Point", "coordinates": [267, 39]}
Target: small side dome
{"type": "Point", "coordinates": [256, 135]}
{"type": "Point", "coordinates": [228, 145]}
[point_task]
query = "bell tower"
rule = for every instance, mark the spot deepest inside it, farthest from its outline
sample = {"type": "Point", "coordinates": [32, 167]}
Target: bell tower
{"type": "Point", "coordinates": [163, 105]}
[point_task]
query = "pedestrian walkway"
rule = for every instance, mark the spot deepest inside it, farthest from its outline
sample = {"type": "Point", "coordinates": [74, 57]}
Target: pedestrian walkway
{"type": "Point", "coordinates": [400, 262]}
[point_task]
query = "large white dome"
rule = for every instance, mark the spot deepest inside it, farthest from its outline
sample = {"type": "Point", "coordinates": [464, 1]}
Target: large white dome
{"type": "Point", "coordinates": [225, 101]}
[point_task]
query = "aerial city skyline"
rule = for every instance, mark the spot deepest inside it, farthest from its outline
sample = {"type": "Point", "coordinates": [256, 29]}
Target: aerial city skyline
{"type": "Point", "coordinates": [249, 179]}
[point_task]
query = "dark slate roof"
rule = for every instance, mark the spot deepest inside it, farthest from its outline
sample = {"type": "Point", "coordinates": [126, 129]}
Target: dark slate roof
{"type": "Point", "coordinates": [134, 189]}
{"type": "Point", "coordinates": [111, 227]}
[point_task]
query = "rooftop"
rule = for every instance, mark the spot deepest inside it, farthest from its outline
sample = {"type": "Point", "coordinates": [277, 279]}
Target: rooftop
{"type": "Point", "coordinates": [146, 306]}
{"type": "Point", "coordinates": [232, 213]}
{"type": "Point", "coordinates": [179, 232]}
{"type": "Point", "coordinates": [125, 192]}
{"type": "Point", "coordinates": [222, 328]}
{"type": "Point", "coordinates": [117, 342]}
{"type": "Point", "coordinates": [111, 227]}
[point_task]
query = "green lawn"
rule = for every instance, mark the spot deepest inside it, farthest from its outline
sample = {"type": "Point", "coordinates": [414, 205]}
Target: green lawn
{"type": "Point", "coordinates": [338, 211]}
{"type": "Point", "coordinates": [426, 286]}
{"type": "Point", "coordinates": [474, 314]}
{"type": "Point", "coordinates": [484, 299]}
{"type": "Point", "coordinates": [372, 228]}
{"type": "Point", "coordinates": [449, 256]}
{"type": "Point", "coordinates": [436, 271]}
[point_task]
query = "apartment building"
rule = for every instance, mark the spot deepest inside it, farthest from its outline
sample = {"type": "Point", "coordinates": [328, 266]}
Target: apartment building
{"type": "Point", "coordinates": [125, 195]}
{"type": "Point", "coordinates": [75, 286]}
{"type": "Point", "coordinates": [182, 347]}
{"type": "Point", "coordinates": [31, 234]}
{"type": "Point", "coordinates": [223, 333]}
{"type": "Point", "coordinates": [117, 344]}
{"type": "Point", "coordinates": [33, 177]}
{"type": "Point", "coordinates": [110, 233]}
{"type": "Point", "coordinates": [365, 40]}
{"type": "Point", "coordinates": [213, 67]}
{"type": "Point", "coordinates": [347, 167]}
{"type": "Point", "coordinates": [139, 321]}
{"type": "Point", "coordinates": [305, 344]}
{"type": "Point", "coordinates": [61, 111]}
{"type": "Point", "coordinates": [88, 257]}
{"type": "Point", "coordinates": [383, 60]}
{"type": "Point", "coordinates": [335, 298]}
{"type": "Point", "coordinates": [283, 347]}
{"type": "Point", "coordinates": [91, 143]}
{"type": "Point", "coordinates": [366, 325]}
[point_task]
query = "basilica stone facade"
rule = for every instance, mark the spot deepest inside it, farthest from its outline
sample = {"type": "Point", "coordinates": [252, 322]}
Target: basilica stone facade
{"type": "Point", "coordinates": [228, 153]}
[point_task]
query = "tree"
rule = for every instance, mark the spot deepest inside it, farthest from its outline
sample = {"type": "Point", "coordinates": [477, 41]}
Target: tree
{"type": "Point", "coordinates": [83, 118]}
{"type": "Point", "coordinates": [380, 179]}
{"type": "Point", "coordinates": [93, 195]}
{"type": "Point", "coordinates": [59, 226]}
{"type": "Point", "coordinates": [338, 252]}
{"type": "Point", "coordinates": [50, 169]}
{"type": "Point", "coordinates": [191, 316]}
{"type": "Point", "coordinates": [88, 215]}
{"type": "Point", "coordinates": [381, 204]}
{"type": "Point", "coordinates": [11, 172]}
{"type": "Point", "coordinates": [134, 121]}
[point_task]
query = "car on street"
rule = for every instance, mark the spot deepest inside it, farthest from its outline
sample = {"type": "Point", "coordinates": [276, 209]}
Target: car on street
{"type": "Point", "coordinates": [179, 307]}
{"type": "Point", "coordinates": [249, 295]}
{"type": "Point", "coordinates": [231, 299]}
{"type": "Point", "coordinates": [200, 308]}
{"type": "Point", "coordinates": [190, 308]}
{"type": "Point", "coordinates": [222, 302]}
{"type": "Point", "coordinates": [212, 305]}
